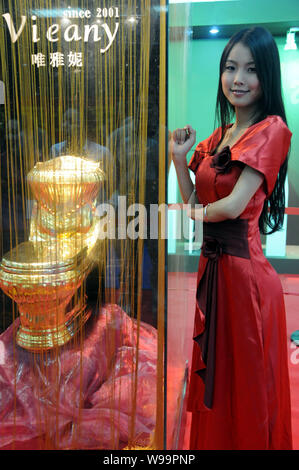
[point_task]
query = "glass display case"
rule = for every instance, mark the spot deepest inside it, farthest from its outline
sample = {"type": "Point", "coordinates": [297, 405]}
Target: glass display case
{"type": "Point", "coordinates": [83, 126]}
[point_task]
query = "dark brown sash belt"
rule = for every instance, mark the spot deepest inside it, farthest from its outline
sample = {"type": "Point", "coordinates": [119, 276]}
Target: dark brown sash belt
{"type": "Point", "coordinates": [227, 237]}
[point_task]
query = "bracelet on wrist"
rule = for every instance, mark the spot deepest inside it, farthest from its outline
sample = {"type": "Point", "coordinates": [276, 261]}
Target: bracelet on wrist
{"type": "Point", "coordinates": [205, 213]}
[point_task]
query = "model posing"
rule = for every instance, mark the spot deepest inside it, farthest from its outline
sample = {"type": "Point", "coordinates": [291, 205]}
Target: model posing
{"type": "Point", "coordinates": [239, 386]}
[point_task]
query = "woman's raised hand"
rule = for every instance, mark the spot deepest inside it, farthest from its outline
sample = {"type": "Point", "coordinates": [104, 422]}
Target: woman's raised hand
{"type": "Point", "coordinates": [181, 142]}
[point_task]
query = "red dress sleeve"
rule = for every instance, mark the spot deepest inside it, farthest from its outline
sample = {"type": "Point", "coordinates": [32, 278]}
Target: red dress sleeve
{"type": "Point", "coordinates": [202, 149]}
{"type": "Point", "coordinates": [265, 148]}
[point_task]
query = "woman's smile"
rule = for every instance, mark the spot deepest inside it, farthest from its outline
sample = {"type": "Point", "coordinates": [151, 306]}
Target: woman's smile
{"type": "Point", "coordinates": [239, 92]}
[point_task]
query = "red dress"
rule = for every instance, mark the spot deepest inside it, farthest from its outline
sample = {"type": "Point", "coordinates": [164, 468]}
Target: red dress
{"type": "Point", "coordinates": [251, 401]}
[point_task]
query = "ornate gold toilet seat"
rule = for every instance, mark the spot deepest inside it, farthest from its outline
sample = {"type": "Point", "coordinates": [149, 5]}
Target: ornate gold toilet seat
{"type": "Point", "coordinates": [43, 292]}
{"type": "Point", "coordinates": [45, 275]}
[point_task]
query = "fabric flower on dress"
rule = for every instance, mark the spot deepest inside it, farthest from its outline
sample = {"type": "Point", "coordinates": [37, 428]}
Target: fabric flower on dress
{"type": "Point", "coordinates": [222, 160]}
{"type": "Point", "coordinates": [211, 248]}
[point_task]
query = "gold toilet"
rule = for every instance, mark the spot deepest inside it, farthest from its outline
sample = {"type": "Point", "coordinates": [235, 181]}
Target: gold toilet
{"type": "Point", "coordinates": [45, 275]}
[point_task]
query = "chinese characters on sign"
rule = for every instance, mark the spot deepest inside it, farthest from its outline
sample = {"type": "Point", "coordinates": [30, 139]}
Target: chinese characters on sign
{"type": "Point", "coordinates": [58, 59]}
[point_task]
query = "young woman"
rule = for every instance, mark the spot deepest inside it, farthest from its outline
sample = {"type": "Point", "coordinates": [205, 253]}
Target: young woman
{"type": "Point", "coordinates": [239, 386]}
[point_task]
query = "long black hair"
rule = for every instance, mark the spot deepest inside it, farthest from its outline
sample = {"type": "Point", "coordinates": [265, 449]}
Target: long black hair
{"type": "Point", "coordinates": [267, 63]}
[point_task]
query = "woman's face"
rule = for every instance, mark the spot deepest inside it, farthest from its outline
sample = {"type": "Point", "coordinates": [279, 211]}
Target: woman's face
{"type": "Point", "coordinates": [240, 83]}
